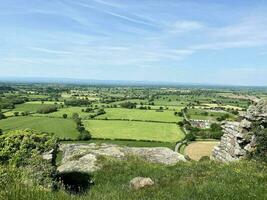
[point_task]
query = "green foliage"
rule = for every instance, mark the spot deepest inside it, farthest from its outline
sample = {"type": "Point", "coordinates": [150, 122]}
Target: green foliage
{"type": "Point", "coordinates": [77, 102]}
{"type": "Point", "coordinates": [17, 147]}
{"type": "Point", "coordinates": [260, 152]}
{"type": "Point", "coordinates": [65, 116]}
{"type": "Point", "coordinates": [47, 109]}
{"type": "Point", "coordinates": [84, 135]}
{"type": "Point", "coordinates": [190, 137]}
{"type": "Point", "coordinates": [2, 116]}
{"type": "Point", "coordinates": [128, 104]}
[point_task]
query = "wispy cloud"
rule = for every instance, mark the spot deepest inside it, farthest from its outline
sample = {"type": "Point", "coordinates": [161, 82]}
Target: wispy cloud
{"type": "Point", "coordinates": [182, 26]}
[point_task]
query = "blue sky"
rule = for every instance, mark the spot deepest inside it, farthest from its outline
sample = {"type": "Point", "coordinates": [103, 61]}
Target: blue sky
{"type": "Point", "coordinates": [191, 41]}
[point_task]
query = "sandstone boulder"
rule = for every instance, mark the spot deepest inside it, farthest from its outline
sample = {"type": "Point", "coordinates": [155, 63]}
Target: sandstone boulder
{"type": "Point", "coordinates": [84, 157]}
{"type": "Point", "coordinates": [141, 182]}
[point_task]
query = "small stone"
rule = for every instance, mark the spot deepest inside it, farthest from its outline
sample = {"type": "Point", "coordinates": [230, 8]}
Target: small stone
{"type": "Point", "coordinates": [140, 182]}
{"type": "Point", "coordinates": [48, 155]}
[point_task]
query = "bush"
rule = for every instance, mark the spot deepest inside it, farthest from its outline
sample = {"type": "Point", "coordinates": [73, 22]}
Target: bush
{"type": "Point", "coordinates": [190, 137]}
{"type": "Point", "coordinates": [17, 147]}
{"type": "Point", "coordinates": [16, 113]}
{"type": "Point", "coordinates": [128, 105]}
{"type": "Point", "coordinates": [47, 109]}
{"type": "Point", "coordinates": [65, 116]}
{"type": "Point", "coordinates": [260, 152]}
{"type": "Point", "coordinates": [2, 116]}
{"type": "Point", "coordinates": [77, 102]}
{"type": "Point", "coordinates": [84, 135]}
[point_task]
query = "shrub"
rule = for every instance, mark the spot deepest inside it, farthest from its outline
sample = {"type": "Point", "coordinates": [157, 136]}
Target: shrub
{"type": "Point", "coordinates": [77, 102]}
{"type": "Point", "coordinates": [84, 135]}
{"type": "Point", "coordinates": [65, 116]}
{"type": "Point", "coordinates": [128, 105]}
{"type": "Point", "coordinates": [17, 147]}
{"type": "Point", "coordinates": [16, 113]}
{"type": "Point", "coordinates": [2, 116]}
{"type": "Point", "coordinates": [190, 137]}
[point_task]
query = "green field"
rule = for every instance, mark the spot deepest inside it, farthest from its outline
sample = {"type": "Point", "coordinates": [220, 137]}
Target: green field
{"type": "Point", "coordinates": [142, 115]}
{"type": "Point", "coordinates": [69, 111]}
{"type": "Point", "coordinates": [134, 130]}
{"type": "Point", "coordinates": [198, 114]}
{"type": "Point", "coordinates": [32, 106]}
{"type": "Point", "coordinates": [63, 128]}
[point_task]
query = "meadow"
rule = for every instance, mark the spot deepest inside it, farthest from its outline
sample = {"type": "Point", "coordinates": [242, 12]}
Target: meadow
{"type": "Point", "coordinates": [210, 115]}
{"type": "Point", "coordinates": [142, 115]}
{"type": "Point", "coordinates": [67, 110]}
{"type": "Point", "coordinates": [32, 106]}
{"type": "Point", "coordinates": [114, 129]}
{"type": "Point", "coordinates": [62, 128]}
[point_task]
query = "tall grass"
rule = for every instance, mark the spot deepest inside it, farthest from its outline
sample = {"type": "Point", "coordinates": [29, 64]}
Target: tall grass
{"type": "Point", "coordinates": [191, 180]}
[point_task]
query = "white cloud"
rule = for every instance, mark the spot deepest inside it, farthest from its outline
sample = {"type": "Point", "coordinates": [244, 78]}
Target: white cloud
{"type": "Point", "coordinates": [182, 26]}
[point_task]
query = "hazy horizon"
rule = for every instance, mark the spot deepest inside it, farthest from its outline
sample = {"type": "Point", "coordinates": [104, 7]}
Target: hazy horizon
{"type": "Point", "coordinates": [212, 42]}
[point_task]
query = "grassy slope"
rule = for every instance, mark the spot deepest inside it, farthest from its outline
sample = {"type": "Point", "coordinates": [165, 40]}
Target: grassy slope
{"type": "Point", "coordinates": [136, 114]}
{"type": "Point", "coordinates": [63, 128]}
{"type": "Point", "coordinates": [134, 130]}
{"type": "Point", "coordinates": [191, 180]}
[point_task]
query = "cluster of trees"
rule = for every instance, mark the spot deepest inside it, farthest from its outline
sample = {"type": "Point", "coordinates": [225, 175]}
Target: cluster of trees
{"type": "Point", "coordinates": [214, 132]}
{"type": "Point", "coordinates": [47, 109]}
{"type": "Point", "coordinates": [145, 108]}
{"type": "Point", "coordinates": [83, 133]}
{"type": "Point", "coordinates": [180, 114]}
{"type": "Point", "coordinates": [9, 102]}
{"type": "Point", "coordinates": [89, 109]}
{"type": "Point", "coordinates": [128, 104]}
{"type": "Point", "coordinates": [77, 102]}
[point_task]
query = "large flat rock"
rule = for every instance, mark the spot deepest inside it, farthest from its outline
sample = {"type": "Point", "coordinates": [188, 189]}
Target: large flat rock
{"type": "Point", "coordinates": [84, 157]}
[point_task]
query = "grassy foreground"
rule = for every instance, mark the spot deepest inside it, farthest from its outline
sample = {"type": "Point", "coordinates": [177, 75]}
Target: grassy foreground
{"type": "Point", "coordinates": [191, 180]}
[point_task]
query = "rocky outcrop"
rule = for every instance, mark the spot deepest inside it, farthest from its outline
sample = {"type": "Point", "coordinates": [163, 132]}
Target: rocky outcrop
{"type": "Point", "coordinates": [85, 157]}
{"type": "Point", "coordinates": [238, 138]}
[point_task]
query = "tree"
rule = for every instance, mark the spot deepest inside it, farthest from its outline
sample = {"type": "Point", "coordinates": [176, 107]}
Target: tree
{"type": "Point", "coordinates": [128, 105]}
{"type": "Point", "coordinates": [190, 137]}
{"type": "Point", "coordinates": [47, 109]}
{"type": "Point", "coordinates": [16, 113]}
{"type": "Point", "coordinates": [75, 115]}
{"type": "Point", "coordinates": [84, 135]}
{"type": "Point", "coordinates": [2, 116]}
{"type": "Point", "coordinates": [64, 115]}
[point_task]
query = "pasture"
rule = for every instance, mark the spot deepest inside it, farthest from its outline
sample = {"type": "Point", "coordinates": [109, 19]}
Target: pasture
{"type": "Point", "coordinates": [68, 110]}
{"type": "Point", "coordinates": [31, 106]}
{"type": "Point", "coordinates": [62, 128]}
{"type": "Point", "coordinates": [206, 114]}
{"type": "Point", "coordinates": [142, 115]}
{"type": "Point", "coordinates": [110, 129]}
